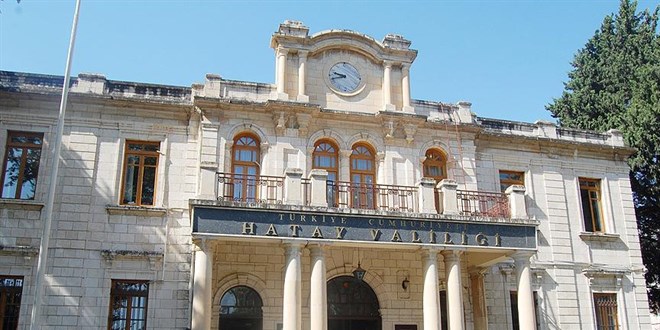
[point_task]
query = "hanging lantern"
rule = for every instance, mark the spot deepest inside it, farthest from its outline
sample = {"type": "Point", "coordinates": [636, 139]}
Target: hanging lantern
{"type": "Point", "coordinates": [359, 272]}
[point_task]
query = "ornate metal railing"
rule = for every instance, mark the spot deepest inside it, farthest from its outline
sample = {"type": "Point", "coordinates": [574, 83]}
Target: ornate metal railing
{"type": "Point", "coordinates": [372, 196]}
{"type": "Point", "coordinates": [484, 204]}
{"type": "Point", "coordinates": [260, 189]}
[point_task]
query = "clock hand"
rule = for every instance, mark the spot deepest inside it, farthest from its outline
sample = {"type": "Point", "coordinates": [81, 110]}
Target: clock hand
{"type": "Point", "coordinates": [339, 74]}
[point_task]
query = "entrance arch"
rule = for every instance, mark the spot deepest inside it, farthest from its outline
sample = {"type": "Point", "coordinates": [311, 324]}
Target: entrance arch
{"type": "Point", "coordinates": [352, 305]}
{"type": "Point", "coordinates": [241, 309]}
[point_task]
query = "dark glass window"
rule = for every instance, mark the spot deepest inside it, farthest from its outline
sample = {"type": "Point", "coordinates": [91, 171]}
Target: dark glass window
{"type": "Point", "coordinates": [435, 165]}
{"type": "Point", "coordinates": [245, 167]}
{"type": "Point", "coordinates": [11, 290]}
{"type": "Point", "coordinates": [606, 311]}
{"type": "Point", "coordinates": [326, 157]}
{"type": "Point", "coordinates": [352, 304]}
{"type": "Point", "coordinates": [363, 173]}
{"type": "Point", "coordinates": [128, 305]}
{"type": "Point", "coordinates": [591, 208]}
{"type": "Point", "coordinates": [140, 165]}
{"type": "Point", "coordinates": [241, 309]}
{"type": "Point", "coordinates": [510, 178]}
{"type": "Point", "coordinates": [21, 166]}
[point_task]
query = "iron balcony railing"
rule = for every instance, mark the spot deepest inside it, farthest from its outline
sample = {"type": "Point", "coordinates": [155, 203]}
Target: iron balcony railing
{"type": "Point", "coordinates": [260, 189]}
{"type": "Point", "coordinates": [263, 189]}
{"type": "Point", "coordinates": [372, 196]}
{"type": "Point", "coordinates": [484, 204]}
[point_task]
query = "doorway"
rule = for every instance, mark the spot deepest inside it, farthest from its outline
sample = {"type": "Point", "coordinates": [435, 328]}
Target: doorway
{"type": "Point", "coordinates": [352, 305]}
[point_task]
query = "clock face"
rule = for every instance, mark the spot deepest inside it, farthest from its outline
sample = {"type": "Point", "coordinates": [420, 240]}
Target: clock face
{"type": "Point", "coordinates": [344, 77]}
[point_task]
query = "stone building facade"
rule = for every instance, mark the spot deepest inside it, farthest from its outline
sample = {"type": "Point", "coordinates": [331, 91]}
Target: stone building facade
{"type": "Point", "coordinates": [328, 200]}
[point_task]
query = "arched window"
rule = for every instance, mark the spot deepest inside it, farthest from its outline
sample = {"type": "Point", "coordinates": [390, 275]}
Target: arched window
{"type": "Point", "coordinates": [363, 174]}
{"type": "Point", "coordinates": [240, 309]}
{"type": "Point", "coordinates": [352, 304]}
{"type": "Point", "coordinates": [435, 165]}
{"type": "Point", "coordinates": [245, 167]}
{"type": "Point", "coordinates": [326, 157]}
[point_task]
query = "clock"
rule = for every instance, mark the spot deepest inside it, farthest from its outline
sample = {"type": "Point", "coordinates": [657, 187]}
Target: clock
{"type": "Point", "coordinates": [344, 77]}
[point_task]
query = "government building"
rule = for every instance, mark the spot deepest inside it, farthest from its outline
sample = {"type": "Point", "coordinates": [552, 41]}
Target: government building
{"type": "Point", "coordinates": [329, 200]}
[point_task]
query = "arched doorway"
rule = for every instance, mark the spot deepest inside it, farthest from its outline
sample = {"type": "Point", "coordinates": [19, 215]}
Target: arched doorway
{"type": "Point", "coordinates": [352, 305]}
{"type": "Point", "coordinates": [240, 309]}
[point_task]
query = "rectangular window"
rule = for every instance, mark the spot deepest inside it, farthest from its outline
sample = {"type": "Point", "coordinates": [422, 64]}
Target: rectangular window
{"type": "Point", "coordinates": [139, 181]}
{"type": "Point", "coordinates": [128, 305]}
{"type": "Point", "coordinates": [21, 166]}
{"type": "Point", "coordinates": [591, 208]}
{"type": "Point", "coordinates": [11, 290]}
{"type": "Point", "coordinates": [513, 295]}
{"type": "Point", "coordinates": [510, 178]}
{"type": "Point", "coordinates": [606, 311]}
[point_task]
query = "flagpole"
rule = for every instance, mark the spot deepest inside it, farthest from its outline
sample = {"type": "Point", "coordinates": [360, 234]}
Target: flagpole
{"type": "Point", "coordinates": [35, 321]}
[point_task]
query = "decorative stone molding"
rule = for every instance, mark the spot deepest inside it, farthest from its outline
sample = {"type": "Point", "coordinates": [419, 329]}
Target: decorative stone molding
{"type": "Point", "coordinates": [410, 130]}
{"type": "Point", "coordinates": [601, 278]}
{"type": "Point", "coordinates": [136, 210]}
{"type": "Point", "coordinates": [546, 129]}
{"type": "Point", "coordinates": [396, 41]}
{"type": "Point", "coordinates": [153, 257]}
{"type": "Point", "coordinates": [599, 236]}
{"type": "Point", "coordinates": [303, 120]}
{"type": "Point", "coordinates": [21, 204]}
{"type": "Point", "coordinates": [280, 122]}
{"type": "Point", "coordinates": [388, 129]}
{"type": "Point", "coordinates": [294, 29]}
{"type": "Point", "coordinates": [537, 275]}
{"type": "Point", "coordinates": [26, 252]}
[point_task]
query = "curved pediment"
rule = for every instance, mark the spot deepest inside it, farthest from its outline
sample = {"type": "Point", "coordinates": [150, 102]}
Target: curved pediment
{"type": "Point", "coordinates": [293, 35]}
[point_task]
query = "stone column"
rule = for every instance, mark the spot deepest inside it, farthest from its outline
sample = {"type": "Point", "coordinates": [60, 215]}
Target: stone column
{"type": "Point", "coordinates": [405, 87]}
{"type": "Point", "coordinates": [431, 298]}
{"type": "Point", "coordinates": [302, 63]}
{"type": "Point", "coordinates": [387, 86]}
{"type": "Point", "coordinates": [478, 300]}
{"type": "Point", "coordinates": [281, 72]}
{"type": "Point", "coordinates": [526, 315]}
{"type": "Point", "coordinates": [454, 289]}
{"type": "Point", "coordinates": [292, 304]}
{"type": "Point", "coordinates": [318, 301]}
{"type": "Point", "coordinates": [202, 283]}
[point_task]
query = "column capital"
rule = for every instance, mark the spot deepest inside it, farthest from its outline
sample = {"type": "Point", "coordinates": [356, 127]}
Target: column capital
{"type": "Point", "coordinates": [405, 67]}
{"type": "Point", "coordinates": [431, 253]}
{"type": "Point", "coordinates": [282, 51]}
{"type": "Point", "coordinates": [302, 54]}
{"type": "Point", "coordinates": [293, 247]}
{"type": "Point", "coordinates": [522, 256]}
{"type": "Point", "coordinates": [203, 244]}
{"type": "Point", "coordinates": [388, 64]}
{"type": "Point", "coordinates": [452, 255]}
{"type": "Point", "coordinates": [346, 153]}
{"type": "Point", "coordinates": [317, 249]}
{"type": "Point", "coordinates": [264, 147]}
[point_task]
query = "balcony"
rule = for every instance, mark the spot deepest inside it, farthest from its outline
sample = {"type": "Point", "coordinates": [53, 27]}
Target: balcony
{"type": "Point", "coordinates": [316, 191]}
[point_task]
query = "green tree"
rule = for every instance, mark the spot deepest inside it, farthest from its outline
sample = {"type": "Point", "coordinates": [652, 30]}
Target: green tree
{"type": "Point", "coordinates": [615, 83]}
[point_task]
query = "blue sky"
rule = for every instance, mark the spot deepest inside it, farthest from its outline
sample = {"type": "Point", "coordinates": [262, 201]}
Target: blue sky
{"type": "Point", "coordinates": [509, 58]}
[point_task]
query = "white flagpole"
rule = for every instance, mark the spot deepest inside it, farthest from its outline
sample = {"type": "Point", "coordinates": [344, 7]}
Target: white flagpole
{"type": "Point", "coordinates": [35, 321]}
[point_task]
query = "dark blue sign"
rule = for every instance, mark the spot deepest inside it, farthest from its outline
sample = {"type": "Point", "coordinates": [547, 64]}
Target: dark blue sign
{"type": "Point", "coordinates": [338, 226]}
